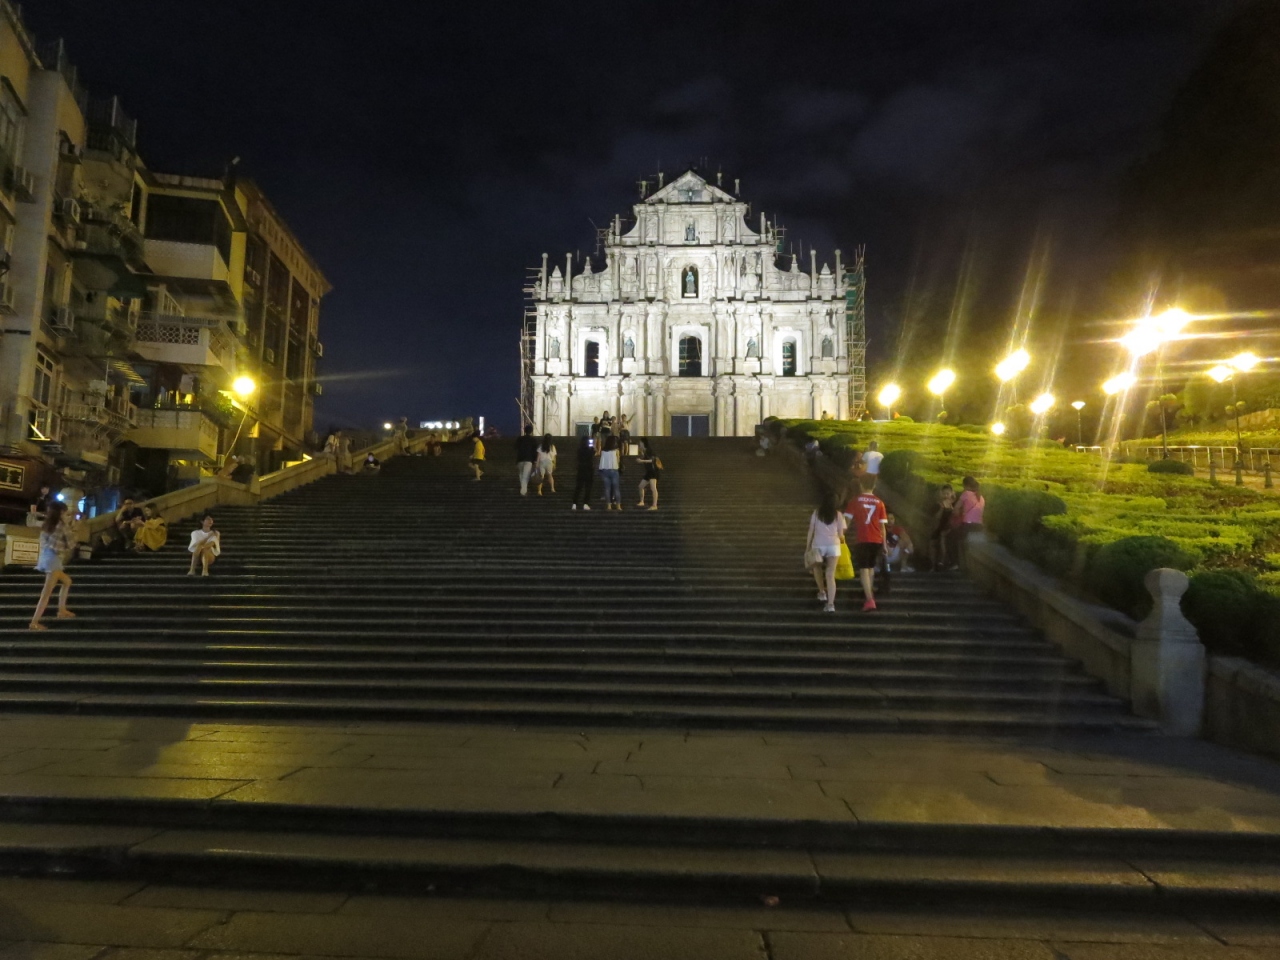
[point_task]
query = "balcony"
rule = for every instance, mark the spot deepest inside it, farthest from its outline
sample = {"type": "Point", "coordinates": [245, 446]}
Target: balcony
{"type": "Point", "coordinates": [188, 433]}
{"type": "Point", "coordinates": [198, 261]}
{"type": "Point", "coordinates": [89, 429]}
{"type": "Point", "coordinates": [184, 340]}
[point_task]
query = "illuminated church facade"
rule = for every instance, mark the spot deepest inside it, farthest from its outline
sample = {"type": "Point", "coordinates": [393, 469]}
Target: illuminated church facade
{"type": "Point", "coordinates": [691, 323]}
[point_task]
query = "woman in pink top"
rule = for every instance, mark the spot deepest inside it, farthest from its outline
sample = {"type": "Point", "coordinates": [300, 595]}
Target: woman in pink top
{"type": "Point", "coordinates": [967, 516]}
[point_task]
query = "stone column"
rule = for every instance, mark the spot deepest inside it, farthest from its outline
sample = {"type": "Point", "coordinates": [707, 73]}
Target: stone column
{"type": "Point", "coordinates": [1167, 660]}
{"type": "Point", "coordinates": [723, 389]}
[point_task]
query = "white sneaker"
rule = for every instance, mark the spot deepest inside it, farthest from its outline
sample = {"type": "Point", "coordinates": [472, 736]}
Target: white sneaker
{"type": "Point", "coordinates": [573, 506]}
{"type": "Point", "coordinates": [586, 506]}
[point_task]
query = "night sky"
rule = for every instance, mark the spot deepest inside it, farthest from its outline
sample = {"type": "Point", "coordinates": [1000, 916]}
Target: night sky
{"type": "Point", "coordinates": [427, 153]}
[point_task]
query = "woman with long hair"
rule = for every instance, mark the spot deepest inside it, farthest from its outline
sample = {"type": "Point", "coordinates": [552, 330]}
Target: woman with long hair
{"type": "Point", "coordinates": [154, 531]}
{"type": "Point", "coordinates": [56, 545]}
{"type": "Point", "coordinates": [652, 470]}
{"type": "Point", "coordinates": [967, 518]}
{"type": "Point", "coordinates": [545, 465]}
{"type": "Point", "coordinates": [822, 549]}
{"type": "Point", "coordinates": [609, 464]}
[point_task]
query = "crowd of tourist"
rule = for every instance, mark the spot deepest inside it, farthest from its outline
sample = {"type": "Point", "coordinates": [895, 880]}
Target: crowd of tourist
{"type": "Point", "coordinates": [602, 451]}
{"type": "Point", "coordinates": [849, 509]}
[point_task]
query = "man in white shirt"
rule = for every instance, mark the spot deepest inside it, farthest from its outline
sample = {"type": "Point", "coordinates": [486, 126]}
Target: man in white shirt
{"type": "Point", "coordinates": [871, 460]}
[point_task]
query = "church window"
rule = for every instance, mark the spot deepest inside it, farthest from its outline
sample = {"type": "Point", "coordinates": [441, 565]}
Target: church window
{"type": "Point", "coordinates": [753, 349]}
{"type": "Point", "coordinates": [629, 349]}
{"type": "Point", "coordinates": [828, 348]}
{"type": "Point", "coordinates": [788, 358]}
{"type": "Point", "coordinates": [591, 354]}
{"type": "Point", "coordinates": [689, 281]}
{"type": "Point", "coordinates": [690, 357]}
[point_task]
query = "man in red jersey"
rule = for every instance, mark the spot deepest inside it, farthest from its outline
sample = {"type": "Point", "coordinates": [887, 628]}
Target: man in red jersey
{"type": "Point", "coordinates": [868, 517]}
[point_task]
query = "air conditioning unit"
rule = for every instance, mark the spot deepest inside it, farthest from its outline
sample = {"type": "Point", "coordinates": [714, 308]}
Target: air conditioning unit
{"type": "Point", "coordinates": [317, 388]}
{"type": "Point", "coordinates": [70, 209]}
{"type": "Point", "coordinates": [63, 320]}
{"type": "Point", "coordinates": [268, 355]}
{"type": "Point", "coordinates": [8, 296]}
{"type": "Point", "coordinates": [24, 184]}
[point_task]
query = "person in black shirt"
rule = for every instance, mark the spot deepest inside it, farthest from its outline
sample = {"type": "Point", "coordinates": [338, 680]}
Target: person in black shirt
{"type": "Point", "coordinates": [129, 521]}
{"type": "Point", "coordinates": [652, 470]}
{"type": "Point", "coordinates": [586, 474]}
{"type": "Point", "coordinates": [526, 454]}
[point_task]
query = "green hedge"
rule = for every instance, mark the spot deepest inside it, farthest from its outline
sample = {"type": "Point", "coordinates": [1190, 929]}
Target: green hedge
{"type": "Point", "coordinates": [1100, 525]}
{"type": "Point", "coordinates": [1171, 466]}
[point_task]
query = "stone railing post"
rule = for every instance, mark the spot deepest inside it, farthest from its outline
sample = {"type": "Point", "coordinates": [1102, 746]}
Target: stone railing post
{"type": "Point", "coordinates": [1168, 660]}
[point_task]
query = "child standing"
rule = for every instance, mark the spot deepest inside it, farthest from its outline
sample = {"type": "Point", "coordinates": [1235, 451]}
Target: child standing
{"type": "Point", "coordinates": [869, 521]}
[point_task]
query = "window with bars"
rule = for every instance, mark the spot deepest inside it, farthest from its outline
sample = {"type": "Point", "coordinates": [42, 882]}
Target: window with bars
{"type": "Point", "coordinates": [690, 357]}
{"type": "Point", "coordinates": [788, 358]}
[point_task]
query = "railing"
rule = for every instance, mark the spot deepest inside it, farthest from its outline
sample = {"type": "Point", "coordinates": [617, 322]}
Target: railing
{"type": "Point", "coordinates": [117, 415]}
{"type": "Point", "coordinates": [214, 492]}
{"type": "Point", "coordinates": [202, 332]}
{"type": "Point", "coordinates": [180, 418]}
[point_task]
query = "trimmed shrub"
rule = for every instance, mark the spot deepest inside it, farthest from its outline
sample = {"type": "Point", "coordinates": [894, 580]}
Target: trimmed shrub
{"type": "Point", "coordinates": [1171, 466]}
{"type": "Point", "coordinates": [1224, 605]}
{"type": "Point", "coordinates": [903, 418]}
{"type": "Point", "coordinates": [1116, 570]}
{"type": "Point", "coordinates": [839, 448]}
{"type": "Point", "coordinates": [897, 466]}
{"type": "Point", "coordinates": [1017, 512]}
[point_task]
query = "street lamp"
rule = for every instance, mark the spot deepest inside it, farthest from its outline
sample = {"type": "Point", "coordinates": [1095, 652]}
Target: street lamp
{"type": "Point", "coordinates": [998, 429]}
{"type": "Point", "coordinates": [1078, 405]}
{"type": "Point", "coordinates": [1149, 335]}
{"type": "Point", "coordinates": [1012, 365]}
{"type": "Point", "coordinates": [940, 384]}
{"type": "Point", "coordinates": [888, 397]}
{"type": "Point", "coordinates": [1119, 383]}
{"type": "Point", "coordinates": [243, 387]}
{"type": "Point", "coordinates": [1240, 363]}
{"type": "Point", "coordinates": [1043, 404]}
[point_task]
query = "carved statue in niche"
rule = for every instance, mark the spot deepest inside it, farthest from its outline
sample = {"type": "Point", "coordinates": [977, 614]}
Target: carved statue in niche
{"type": "Point", "coordinates": [651, 277]}
{"type": "Point", "coordinates": [553, 406]}
{"type": "Point", "coordinates": [628, 349]}
{"type": "Point", "coordinates": [726, 224]}
{"type": "Point", "coordinates": [691, 233]}
{"type": "Point", "coordinates": [553, 351]}
{"type": "Point", "coordinates": [690, 281]}
{"type": "Point", "coordinates": [828, 349]}
{"type": "Point", "coordinates": [753, 348]}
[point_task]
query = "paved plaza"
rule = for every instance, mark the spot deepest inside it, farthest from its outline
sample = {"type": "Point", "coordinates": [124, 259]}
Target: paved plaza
{"type": "Point", "coordinates": [1142, 783]}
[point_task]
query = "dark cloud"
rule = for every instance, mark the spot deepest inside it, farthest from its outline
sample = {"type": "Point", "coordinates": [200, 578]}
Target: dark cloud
{"type": "Point", "coordinates": [428, 154]}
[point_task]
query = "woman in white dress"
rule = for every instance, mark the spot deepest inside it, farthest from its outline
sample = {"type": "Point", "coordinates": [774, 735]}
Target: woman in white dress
{"type": "Point", "coordinates": [545, 465]}
{"type": "Point", "coordinates": [205, 547]}
{"type": "Point", "coordinates": [56, 544]}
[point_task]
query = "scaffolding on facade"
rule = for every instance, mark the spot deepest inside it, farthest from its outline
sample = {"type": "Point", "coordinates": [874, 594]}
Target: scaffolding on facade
{"type": "Point", "coordinates": [529, 342]}
{"type": "Point", "coordinates": [855, 321]}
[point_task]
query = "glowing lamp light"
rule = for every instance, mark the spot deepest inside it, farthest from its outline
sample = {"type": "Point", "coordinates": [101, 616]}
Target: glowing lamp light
{"type": "Point", "coordinates": [1012, 365]}
{"type": "Point", "coordinates": [386, 426]}
{"type": "Point", "coordinates": [1142, 339]}
{"type": "Point", "coordinates": [1042, 404]}
{"type": "Point", "coordinates": [941, 382]}
{"type": "Point", "coordinates": [1244, 362]}
{"type": "Point", "coordinates": [243, 387]}
{"type": "Point", "coordinates": [998, 429]}
{"type": "Point", "coordinates": [889, 395]}
{"type": "Point", "coordinates": [1119, 383]}
{"type": "Point", "coordinates": [1171, 322]}
{"type": "Point", "coordinates": [1221, 373]}
{"type": "Point", "coordinates": [1077, 405]}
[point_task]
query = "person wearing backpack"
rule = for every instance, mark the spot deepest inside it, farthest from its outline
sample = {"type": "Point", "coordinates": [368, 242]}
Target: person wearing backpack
{"type": "Point", "coordinates": [652, 464]}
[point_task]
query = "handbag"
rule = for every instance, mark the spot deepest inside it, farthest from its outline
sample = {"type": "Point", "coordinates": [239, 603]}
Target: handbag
{"type": "Point", "coordinates": [844, 564]}
{"type": "Point", "coordinates": [812, 558]}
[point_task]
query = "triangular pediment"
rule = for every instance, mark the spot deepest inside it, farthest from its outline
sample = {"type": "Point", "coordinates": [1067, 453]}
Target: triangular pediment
{"type": "Point", "coordinates": [689, 187]}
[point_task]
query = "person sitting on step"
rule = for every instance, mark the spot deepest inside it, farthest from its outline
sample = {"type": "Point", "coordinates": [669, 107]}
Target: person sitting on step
{"type": "Point", "coordinates": [205, 547]}
{"type": "Point", "coordinates": [153, 533]}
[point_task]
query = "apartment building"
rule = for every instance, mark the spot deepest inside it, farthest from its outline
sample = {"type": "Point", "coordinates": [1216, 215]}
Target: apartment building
{"type": "Point", "coordinates": [134, 299]}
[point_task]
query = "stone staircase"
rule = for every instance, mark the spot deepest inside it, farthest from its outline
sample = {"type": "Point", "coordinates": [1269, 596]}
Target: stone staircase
{"type": "Point", "coordinates": [420, 595]}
